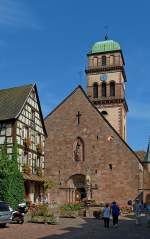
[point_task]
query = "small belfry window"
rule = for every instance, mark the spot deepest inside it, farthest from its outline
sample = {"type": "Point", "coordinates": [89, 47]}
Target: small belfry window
{"type": "Point", "coordinates": [112, 88]}
{"type": "Point", "coordinates": [95, 61]}
{"type": "Point", "coordinates": [95, 90]}
{"type": "Point", "coordinates": [104, 89]}
{"type": "Point", "coordinates": [103, 60]}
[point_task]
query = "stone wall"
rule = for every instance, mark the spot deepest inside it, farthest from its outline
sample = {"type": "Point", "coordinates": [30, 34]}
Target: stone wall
{"type": "Point", "coordinates": [113, 166]}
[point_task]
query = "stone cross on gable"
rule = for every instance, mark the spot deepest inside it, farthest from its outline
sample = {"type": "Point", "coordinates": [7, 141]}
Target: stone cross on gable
{"type": "Point", "coordinates": [78, 115]}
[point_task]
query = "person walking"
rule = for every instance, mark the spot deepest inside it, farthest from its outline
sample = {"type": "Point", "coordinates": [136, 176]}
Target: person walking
{"type": "Point", "coordinates": [148, 213]}
{"type": "Point", "coordinates": [106, 215]}
{"type": "Point", "coordinates": [115, 213]}
{"type": "Point", "coordinates": [138, 207]}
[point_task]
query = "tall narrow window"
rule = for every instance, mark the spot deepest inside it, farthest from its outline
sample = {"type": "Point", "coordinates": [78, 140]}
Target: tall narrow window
{"type": "Point", "coordinates": [104, 89]}
{"type": "Point", "coordinates": [112, 88]}
{"type": "Point", "coordinates": [103, 60]}
{"type": "Point", "coordinates": [95, 61]}
{"type": "Point", "coordinates": [95, 90]}
{"type": "Point", "coordinates": [25, 132]}
{"type": "Point", "coordinates": [33, 115]}
{"type": "Point", "coordinates": [32, 118]}
{"type": "Point", "coordinates": [111, 60]}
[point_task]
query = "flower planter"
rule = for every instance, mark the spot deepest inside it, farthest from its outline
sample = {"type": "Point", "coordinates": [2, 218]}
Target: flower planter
{"type": "Point", "coordinates": [38, 219]}
{"type": "Point", "coordinates": [51, 220]}
{"type": "Point", "coordinates": [27, 143]}
{"type": "Point", "coordinates": [69, 214]}
{"type": "Point", "coordinates": [39, 149]}
{"type": "Point", "coordinates": [26, 169]}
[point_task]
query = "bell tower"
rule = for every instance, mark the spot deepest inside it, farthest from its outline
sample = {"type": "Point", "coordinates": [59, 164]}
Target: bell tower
{"type": "Point", "coordinates": [106, 83]}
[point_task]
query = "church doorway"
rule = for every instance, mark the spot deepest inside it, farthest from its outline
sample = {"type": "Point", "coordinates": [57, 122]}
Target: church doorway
{"type": "Point", "coordinates": [77, 188]}
{"type": "Point", "coordinates": [80, 194]}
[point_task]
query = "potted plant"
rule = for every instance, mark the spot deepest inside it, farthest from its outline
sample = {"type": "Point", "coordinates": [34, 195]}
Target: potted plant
{"type": "Point", "coordinates": [27, 142]}
{"type": "Point", "coordinates": [39, 171]}
{"type": "Point", "coordinates": [39, 149]}
{"type": "Point", "coordinates": [26, 169]}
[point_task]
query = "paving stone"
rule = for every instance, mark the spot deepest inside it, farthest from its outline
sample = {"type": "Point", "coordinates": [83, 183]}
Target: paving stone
{"type": "Point", "coordinates": [87, 228]}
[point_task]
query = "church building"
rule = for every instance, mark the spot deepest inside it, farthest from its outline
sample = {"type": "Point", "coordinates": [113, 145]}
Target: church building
{"type": "Point", "coordinates": [86, 152]}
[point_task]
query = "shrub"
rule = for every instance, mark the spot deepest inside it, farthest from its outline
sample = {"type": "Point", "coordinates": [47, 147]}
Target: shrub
{"type": "Point", "coordinates": [70, 210]}
{"type": "Point", "coordinates": [42, 214]}
{"type": "Point", "coordinates": [72, 207]}
{"type": "Point", "coordinates": [41, 210]}
{"type": "Point", "coordinates": [11, 180]}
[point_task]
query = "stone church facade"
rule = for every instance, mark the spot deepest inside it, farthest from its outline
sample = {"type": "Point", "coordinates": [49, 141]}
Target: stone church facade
{"type": "Point", "coordinates": [86, 153]}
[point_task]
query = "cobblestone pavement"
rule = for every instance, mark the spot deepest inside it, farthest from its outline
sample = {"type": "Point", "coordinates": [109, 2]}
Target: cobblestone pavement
{"type": "Point", "coordinates": [77, 229]}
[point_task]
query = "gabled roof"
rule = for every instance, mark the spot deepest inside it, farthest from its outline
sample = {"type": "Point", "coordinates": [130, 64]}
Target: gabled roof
{"type": "Point", "coordinates": [141, 154]}
{"type": "Point", "coordinates": [73, 92]}
{"type": "Point", "coordinates": [12, 101]}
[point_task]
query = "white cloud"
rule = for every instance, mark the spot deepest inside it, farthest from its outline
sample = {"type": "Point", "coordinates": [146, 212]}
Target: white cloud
{"type": "Point", "coordinates": [16, 13]}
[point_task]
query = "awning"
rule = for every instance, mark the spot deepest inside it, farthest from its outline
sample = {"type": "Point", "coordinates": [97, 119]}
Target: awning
{"type": "Point", "coordinates": [35, 178]}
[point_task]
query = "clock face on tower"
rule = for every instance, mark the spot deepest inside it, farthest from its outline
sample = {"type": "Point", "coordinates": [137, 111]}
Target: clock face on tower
{"type": "Point", "coordinates": [103, 77]}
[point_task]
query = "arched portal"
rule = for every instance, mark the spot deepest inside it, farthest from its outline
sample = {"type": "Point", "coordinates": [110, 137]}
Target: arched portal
{"type": "Point", "coordinates": [78, 187]}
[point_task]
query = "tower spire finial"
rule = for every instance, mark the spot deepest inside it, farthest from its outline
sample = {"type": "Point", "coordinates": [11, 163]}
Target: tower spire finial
{"type": "Point", "coordinates": [106, 32]}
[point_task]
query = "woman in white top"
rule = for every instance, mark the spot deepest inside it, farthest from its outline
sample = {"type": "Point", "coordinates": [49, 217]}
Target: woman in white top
{"type": "Point", "coordinates": [106, 215]}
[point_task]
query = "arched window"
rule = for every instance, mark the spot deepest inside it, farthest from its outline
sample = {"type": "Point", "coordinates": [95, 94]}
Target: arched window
{"type": "Point", "coordinates": [103, 60]}
{"type": "Point", "coordinates": [78, 150]}
{"type": "Point", "coordinates": [112, 88]}
{"type": "Point", "coordinates": [95, 90]}
{"type": "Point", "coordinates": [95, 61]}
{"type": "Point", "coordinates": [111, 59]}
{"type": "Point", "coordinates": [104, 89]}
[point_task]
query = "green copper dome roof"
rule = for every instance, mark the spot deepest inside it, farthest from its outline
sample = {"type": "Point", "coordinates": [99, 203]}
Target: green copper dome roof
{"type": "Point", "coordinates": [104, 46]}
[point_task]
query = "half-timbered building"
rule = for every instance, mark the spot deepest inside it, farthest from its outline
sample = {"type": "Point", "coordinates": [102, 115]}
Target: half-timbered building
{"type": "Point", "coordinates": [21, 120]}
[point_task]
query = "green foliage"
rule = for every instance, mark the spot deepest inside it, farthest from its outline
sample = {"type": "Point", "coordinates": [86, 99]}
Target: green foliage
{"type": "Point", "coordinates": [26, 169]}
{"type": "Point", "coordinates": [48, 184]}
{"type": "Point", "coordinates": [70, 210]}
{"type": "Point", "coordinates": [11, 180]}
{"type": "Point", "coordinates": [72, 207]}
{"type": "Point", "coordinates": [39, 171]}
{"type": "Point", "coordinates": [42, 210]}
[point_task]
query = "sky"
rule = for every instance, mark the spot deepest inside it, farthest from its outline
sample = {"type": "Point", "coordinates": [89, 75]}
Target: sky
{"type": "Point", "coordinates": [46, 42]}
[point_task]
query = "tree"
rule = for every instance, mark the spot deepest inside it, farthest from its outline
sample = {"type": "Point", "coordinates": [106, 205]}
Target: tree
{"type": "Point", "coordinates": [11, 180]}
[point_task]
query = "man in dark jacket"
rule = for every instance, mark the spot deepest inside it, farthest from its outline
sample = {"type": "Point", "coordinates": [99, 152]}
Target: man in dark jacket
{"type": "Point", "coordinates": [115, 210]}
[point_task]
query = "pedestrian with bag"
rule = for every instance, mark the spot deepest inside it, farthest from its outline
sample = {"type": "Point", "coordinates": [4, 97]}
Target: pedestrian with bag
{"type": "Point", "coordinates": [115, 210]}
{"type": "Point", "coordinates": [148, 213]}
{"type": "Point", "coordinates": [106, 215]}
{"type": "Point", "coordinates": [138, 208]}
